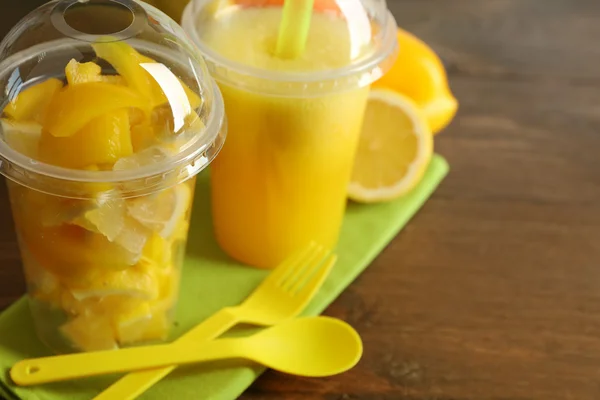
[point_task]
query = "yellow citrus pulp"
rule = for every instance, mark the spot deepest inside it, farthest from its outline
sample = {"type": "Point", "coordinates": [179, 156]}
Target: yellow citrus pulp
{"type": "Point", "coordinates": [109, 263]}
{"type": "Point", "coordinates": [395, 148]}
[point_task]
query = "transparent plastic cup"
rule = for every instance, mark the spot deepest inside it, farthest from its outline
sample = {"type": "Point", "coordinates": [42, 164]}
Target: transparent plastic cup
{"type": "Point", "coordinates": [294, 125]}
{"type": "Point", "coordinates": [108, 114]}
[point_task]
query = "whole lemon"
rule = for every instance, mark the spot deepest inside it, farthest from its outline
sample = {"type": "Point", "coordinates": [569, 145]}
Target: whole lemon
{"type": "Point", "coordinates": [419, 73]}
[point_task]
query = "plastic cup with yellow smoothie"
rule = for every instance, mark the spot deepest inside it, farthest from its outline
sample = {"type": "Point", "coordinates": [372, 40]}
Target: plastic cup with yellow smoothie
{"type": "Point", "coordinates": [293, 123]}
{"type": "Point", "coordinates": [108, 114]}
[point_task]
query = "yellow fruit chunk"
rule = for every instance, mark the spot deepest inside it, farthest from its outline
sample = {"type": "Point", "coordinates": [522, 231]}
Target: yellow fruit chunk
{"type": "Point", "coordinates": [42, 284]}
{"type": "Point", "coordinates": [76, 106]}
{"type": "Point", "coordinates": [135, 282]}
{"type": "Point", "coordinates": [162, 121]}
{"type": "Point", "coordinates": [133, 236]}
{"type": "Point", "coordinates": [44, 210]}
{"type": "Point", "coordinates": [147, 322]}
{"type": "Point", "coordinates": [181, 230]}
{"type": "Point", "coordinates": [126, 60]}
{"type": "Point", "coordinates": [133, 67]}
{"type": "Point", "coordinates": [23, 137]}
{"type": "Point", "coordinates": [169, 279]}
{"type": "Point", "coordinates": [107, 218]}
{"type": "Point", "coordinates": [48, 245]}
{"type": "Point", "coordinates": [105, 307]}
{"type": "Point", "coordinates": [193, 127]}
{"type": "Point", "coordinates": [158, 259]}
{"type": "Point", "coordinates": [73, 253]}
{"type": "Point", "coordinates": [160, 128]}
{"type": "Point", "coordinates": [32, 103]}
{"type": "Point", "coordinates": [157, 252]}
{"type": "Point", "coordinates": [82, 72]}
{"type": "Point", "coordinates": [89, 72]}
{"type": "Point", "coordinates": [165, 129]}
{"type": "Point", "coordinates": [142, 136]}
{"type": "Point", "coordinates": [73, 307]}
{"type": "Point", "coordinates": [130, 326]}
{"type": "Point", "coordinates": [90, 333]}
{"type": "Point", "coordinates": [163, 211]}
{"type": "Point", "coordinates": [394, 150]}
{"type": "Point", "coordinates": [104, 140]}
{"type": "Point", "coordinates": [110, 220]}
{"type": "Point", "coordinates": [146, 326]}
{"type": "Point", "coordinates": [113, 79]}
{"type": "Point", "coordinates": [137, 117]}
{"type": "Point", "coordinates": [419, 73]}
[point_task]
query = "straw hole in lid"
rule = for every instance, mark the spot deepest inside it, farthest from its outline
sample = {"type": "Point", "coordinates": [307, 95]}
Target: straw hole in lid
{"type": "Point", "coordinates": [99, 17]}
{"type": "Point", "coordinates": [93, 20]}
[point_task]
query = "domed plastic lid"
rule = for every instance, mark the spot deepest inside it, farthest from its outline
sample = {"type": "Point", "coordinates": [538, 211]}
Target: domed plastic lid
{"type": "Point", "coordinates": [104, 91]}
{"type": "Point", "coordinates": [349, 44]}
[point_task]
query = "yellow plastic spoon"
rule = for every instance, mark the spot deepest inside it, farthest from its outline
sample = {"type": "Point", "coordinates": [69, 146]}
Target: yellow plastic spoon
{"type": "Point", "coordinates": [313, 347]}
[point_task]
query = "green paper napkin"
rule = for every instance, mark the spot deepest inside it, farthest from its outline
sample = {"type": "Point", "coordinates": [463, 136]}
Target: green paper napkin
{"type": "Point", "coordinates": [211, 281]}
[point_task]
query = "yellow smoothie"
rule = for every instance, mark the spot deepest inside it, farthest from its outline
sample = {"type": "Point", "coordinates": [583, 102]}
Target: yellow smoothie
{"type": "Point", "coordinates": [281, 178]}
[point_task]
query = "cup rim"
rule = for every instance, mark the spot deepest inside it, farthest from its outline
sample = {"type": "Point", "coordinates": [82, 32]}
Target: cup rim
{"type": "Point", "coordinates": [358, 74]}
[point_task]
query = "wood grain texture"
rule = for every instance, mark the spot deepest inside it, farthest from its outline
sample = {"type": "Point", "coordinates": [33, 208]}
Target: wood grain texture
{"type": "Point", "coordinates": [492, 292]}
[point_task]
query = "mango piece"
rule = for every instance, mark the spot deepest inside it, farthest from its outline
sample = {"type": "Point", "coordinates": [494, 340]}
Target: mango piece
{"type": "Point", "coordinates": [89, 72]}
{"type": "Point", "coordinates": [162, 121]}
{"type": "Point", "coordinates": [50, 244]}
{"type": "Point", "coordinates": [147, 132]}
{"type": "Point", "coordinates": [136, 117]}
{"type": "Point", "coordinates": [128, 63]}
{"type": "Point", "coordinates": [126, 60]}
{"type": "Point", "coordinates": [32, 103]}
{"type": "Point", "coordinates": [142, 136]}
{"type": "Point", "coordinates": [72, 252]}
{"type": "Point", "coordinates": [105, 307]}
{"type": "Point", "coordinates": [43, 285]}
{"type": "Point", "coordinates": [76, 106]}
{"type": "Point", "coordinates": [133, 283]}
{"type": "Point", "coordinates": [82, 72]}
{"type": "Point", "coordinates": [130, 325]}
{"type": "Point", "coordinates": [147, 326]}
{"type": "Point", "coordinates": [103, 140]}
{"type": "Point", "coordinates": [113, 79]}
{"type": "Point", "coordinates": [158, 252]}
{"type": "Point", "coordinates": [90, 333]}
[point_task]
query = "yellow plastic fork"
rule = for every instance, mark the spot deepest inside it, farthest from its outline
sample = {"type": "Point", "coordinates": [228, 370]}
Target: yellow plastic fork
{"type": "Point", "coordinates": [281, 296]}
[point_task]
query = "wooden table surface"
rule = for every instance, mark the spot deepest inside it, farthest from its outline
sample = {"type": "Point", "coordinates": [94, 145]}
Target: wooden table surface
{"type": "Point", "coordinates": [492, 292]}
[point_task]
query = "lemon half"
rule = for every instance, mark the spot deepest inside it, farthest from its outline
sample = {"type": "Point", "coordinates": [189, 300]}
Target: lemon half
{"type": "Point", "coordinates": [395, 148]}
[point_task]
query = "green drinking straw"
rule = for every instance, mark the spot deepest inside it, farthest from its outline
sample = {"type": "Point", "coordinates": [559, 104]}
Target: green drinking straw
{"type": "Point", "coordinates": [294, 27]}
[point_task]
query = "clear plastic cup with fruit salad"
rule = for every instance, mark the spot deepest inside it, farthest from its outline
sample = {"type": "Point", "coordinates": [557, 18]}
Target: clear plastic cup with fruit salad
{"type": "Point", "coordinates": [107, 115]}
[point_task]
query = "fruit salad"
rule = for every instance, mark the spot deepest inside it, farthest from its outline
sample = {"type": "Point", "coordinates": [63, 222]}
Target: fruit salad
{"type": "Point", "coordinates": [103, 269]}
